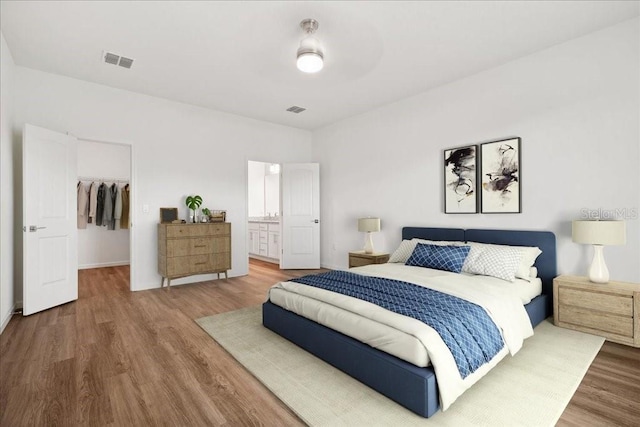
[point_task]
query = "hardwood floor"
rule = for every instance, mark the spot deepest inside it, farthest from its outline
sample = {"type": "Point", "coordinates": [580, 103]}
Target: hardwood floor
{"type": "Point", "coordinates": [116, 357]}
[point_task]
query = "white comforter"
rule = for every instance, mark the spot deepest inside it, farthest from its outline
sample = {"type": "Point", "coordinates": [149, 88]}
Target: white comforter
{"type": "Point", "coordinates": [373, 324]}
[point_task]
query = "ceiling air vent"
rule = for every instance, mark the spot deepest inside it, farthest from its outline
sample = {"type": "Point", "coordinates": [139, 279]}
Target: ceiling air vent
{"type": "Point", "coordinates": [296, 109]}
{"type": "Point", "coordinates": [113, 59]}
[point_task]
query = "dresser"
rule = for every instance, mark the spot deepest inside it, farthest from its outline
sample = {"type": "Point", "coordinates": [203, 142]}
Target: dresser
{"type": "Point", "coordinates": [360, 258]}
{"type": "Point", "coordinates": [611, 310]}
{"type": "Point", "coordinates": [188, 249]}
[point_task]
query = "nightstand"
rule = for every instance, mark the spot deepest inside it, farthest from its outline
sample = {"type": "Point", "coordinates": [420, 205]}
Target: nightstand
{"type": "Point", "coordinates": [359, 258]}
{"type": "Point", "coordinates": [611, 310]}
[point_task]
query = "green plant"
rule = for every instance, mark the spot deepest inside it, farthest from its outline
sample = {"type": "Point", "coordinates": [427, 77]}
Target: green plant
{"type": "Point", "coordinates": [193, 203]}
{"type": "Point", "coordinates": [206, 211]}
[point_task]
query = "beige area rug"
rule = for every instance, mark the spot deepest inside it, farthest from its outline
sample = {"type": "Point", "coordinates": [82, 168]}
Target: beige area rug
{"type": "Point", "coordinates": [530, 389]}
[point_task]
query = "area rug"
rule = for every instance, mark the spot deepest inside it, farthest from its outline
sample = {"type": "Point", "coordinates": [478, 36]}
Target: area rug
{"type": "Point", "coordinates": [530, 389]}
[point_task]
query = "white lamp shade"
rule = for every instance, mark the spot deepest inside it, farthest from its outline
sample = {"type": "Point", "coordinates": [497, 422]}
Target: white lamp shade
{"type": "Point", "coordinates": [599, 232]}
{"type": "Point", "coordinates": [310, 55]}
{"type": "Point", "coordinates": [369, 224]}
{"type": "Point", "coordinates": [310, 62]}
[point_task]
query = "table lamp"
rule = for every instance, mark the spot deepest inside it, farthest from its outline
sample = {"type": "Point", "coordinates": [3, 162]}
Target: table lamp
{"type": "Point", "coordinates": [599, 234]}
{"type": "Point", "coordinates": [368, 225]}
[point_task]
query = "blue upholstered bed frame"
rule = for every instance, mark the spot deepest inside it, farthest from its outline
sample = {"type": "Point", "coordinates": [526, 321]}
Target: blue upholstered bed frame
{"type": "Point", "coordinates": [412, 387]}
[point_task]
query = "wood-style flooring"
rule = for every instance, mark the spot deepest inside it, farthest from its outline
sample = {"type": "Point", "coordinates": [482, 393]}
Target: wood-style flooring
{"type": "Point", "coordinates": [116, 357]}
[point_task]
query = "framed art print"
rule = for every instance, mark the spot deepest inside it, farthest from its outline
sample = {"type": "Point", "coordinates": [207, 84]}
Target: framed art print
{"type": "Point", "coordinates": [500, 176]}
{"type": "Point", "coordinates": [460, 180]}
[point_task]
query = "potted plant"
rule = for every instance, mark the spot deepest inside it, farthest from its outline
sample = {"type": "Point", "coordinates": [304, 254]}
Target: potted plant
{"type": "Point", "coordinates": [206, 214]}
{"type": "Point", "coordinates": [193, 203]}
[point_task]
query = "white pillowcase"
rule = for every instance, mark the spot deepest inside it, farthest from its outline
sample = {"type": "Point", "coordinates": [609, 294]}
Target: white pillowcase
{"type": "Point", "coordinates": [528, 255]}
{"type": "Point", "coordinates": [403, 252]}
{"type": "Point", "coordinates": [500, 262]}
{"type": "Point", "coordinates": [406, 248]}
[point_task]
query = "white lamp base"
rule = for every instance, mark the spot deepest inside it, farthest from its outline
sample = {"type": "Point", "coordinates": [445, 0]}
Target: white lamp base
{"type": "Point", "coordinates": [598, 272]}
{"type": "Point", "coordinates": [368, 244]}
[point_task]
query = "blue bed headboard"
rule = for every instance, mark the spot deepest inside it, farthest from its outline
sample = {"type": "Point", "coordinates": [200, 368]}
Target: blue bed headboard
{"type": "Point", "coordinates": [545, 240]}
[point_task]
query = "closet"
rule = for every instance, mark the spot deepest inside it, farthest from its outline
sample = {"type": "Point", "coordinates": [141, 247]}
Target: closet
{"type": "Point", "coordinates": [104, 240]}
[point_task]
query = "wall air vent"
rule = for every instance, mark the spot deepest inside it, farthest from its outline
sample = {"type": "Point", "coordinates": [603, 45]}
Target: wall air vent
{"type": "Point", "coordinates": [296, 109]}
{"type": "Point", "coordinates": [113, 59]}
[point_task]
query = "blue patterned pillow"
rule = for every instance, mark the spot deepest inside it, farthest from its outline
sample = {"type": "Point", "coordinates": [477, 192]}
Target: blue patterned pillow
{"type": "Point", "coordinates": [447, 258]}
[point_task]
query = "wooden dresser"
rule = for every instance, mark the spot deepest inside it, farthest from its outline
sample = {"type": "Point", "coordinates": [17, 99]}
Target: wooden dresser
{"type": "Point", "coordinates": [188, 249]}
{"type": "Point", "coordinates": [611, 310]}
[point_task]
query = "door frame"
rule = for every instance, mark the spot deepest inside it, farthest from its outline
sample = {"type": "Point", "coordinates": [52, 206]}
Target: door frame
{"type": "Point", "coordinates": [132, 198]}
{"type": "Point", "coordinates": [246, 201]}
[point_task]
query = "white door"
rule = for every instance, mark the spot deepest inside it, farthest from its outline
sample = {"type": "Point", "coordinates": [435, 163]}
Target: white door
{"type": "Point", "coordinates": [49, 194]}
{"type": "Point", "coordinates": [300, 220]}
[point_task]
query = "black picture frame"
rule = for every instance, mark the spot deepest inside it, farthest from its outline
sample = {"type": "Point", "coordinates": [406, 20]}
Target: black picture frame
{"type": "Point", "coordinates": [168, 215]}
{"type": "Point", "coordinates": [501, 176]}
{"type": "Point", "coordinates": [460, 180]}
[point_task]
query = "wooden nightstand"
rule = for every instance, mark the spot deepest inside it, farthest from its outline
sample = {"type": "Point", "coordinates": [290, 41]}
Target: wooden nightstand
{"type": "Point", "coordinates": [611, 310]}
{"type": "Point", "coordinates": [359, 258]}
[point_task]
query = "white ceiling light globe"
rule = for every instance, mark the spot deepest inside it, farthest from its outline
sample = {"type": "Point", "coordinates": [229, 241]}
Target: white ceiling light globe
{"type": "Point", "coordinates": [310, 62]}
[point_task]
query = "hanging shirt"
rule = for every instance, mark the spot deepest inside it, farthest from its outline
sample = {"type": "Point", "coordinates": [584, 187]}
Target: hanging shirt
{"type": "Point", "coordinates": [100, 204]}
{"type": "Point", "coordinates": [124, 219]}
{"type": "Point", "coordinates": [109, 204]}
{"type": "Point", "coordinates": [83, 205]}
{"type": "Point", "coordinates": [117, 209]}
{"type": "Point", "coordinates": [93, 200]}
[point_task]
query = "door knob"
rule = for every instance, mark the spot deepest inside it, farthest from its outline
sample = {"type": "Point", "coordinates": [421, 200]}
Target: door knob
{"type": "Point", "coordinates": [34, 228]}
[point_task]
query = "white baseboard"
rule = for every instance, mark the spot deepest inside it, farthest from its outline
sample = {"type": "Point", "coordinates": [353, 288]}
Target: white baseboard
{"type": "Point", "coordinates": [7, 318]}
{"type": "Point", "coordinates": [103, 264]}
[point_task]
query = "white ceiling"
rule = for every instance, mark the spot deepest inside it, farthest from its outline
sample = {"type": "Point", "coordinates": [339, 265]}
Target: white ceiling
{"type": "Point", "coordinates": [239, 56]}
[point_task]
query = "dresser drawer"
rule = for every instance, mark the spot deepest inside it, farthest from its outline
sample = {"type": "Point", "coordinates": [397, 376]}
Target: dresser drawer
{"type": "Point", "coordinates": [183, 247]}
{"type": "Point", "coordinates": [197, 230]}
{"type": "Point", "coordinates": [619, 325]}
{"type": "Point", "coordinates": [615, 304]}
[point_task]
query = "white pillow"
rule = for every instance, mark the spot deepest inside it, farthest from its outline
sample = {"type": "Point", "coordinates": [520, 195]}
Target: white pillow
{"type": "Point", "coordinates": [533, 273]}
{"type": "Point", "coordinates": [403, 252]}
{"type": "Point", "coordinates": [440, 242]}
{"type": "Point", "coordinates": [527, 258]}
{"type": "Point", "coordinates": [500, 262]}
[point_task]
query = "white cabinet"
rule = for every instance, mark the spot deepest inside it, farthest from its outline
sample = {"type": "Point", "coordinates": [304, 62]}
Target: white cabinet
{"type": "Point", "coordinates": [264, 239]}
{"type": "Point", "coordinates": [254, 238]}
{"type": "Point", "coordinates": [274, 241]}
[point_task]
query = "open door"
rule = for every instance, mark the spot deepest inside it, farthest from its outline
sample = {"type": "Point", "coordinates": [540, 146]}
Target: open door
{"type": "Point", "coordinates": [49, 194]}
{"type": "Point", "coordinates": [300, 220]}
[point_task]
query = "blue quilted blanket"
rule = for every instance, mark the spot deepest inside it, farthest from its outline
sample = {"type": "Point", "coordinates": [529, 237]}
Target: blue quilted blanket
{"type": "Point", "coordinates": [466, 328]}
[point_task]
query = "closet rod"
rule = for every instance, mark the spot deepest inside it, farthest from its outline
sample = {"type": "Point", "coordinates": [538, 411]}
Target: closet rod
{"type": "Point", "coordinates": [95, 178]}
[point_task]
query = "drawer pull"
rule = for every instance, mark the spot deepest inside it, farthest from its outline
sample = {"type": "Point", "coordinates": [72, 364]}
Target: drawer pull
{"type": "Point", "coordinates": [200, 246]}
{"type": "Point", "coordinates": [201, 263]}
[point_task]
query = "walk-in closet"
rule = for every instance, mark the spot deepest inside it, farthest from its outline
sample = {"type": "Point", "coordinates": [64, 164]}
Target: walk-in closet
{"type": "Point", "coordinates": [104, 208]}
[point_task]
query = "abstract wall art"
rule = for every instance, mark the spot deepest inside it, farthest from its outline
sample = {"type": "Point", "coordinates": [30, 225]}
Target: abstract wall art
{"type": "Point", "coordinates": [460, 180]}
{"type": "Point", "coordinates": [500, 174]}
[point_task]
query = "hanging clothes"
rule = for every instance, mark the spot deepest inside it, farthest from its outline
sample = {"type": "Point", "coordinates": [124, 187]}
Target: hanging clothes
{"type": "Point", "coordinates": [93, 200]}
{"type": "Point", "coordinates": [100, 204]}
{"type": "Point", "coordinates": [109, 204]}
{"type": "Point", "coordinates": [83, 205]}
{"type": "Point", "coordinates": [124, 219]}
{"type": "Point", "coordinates": [117, 208]}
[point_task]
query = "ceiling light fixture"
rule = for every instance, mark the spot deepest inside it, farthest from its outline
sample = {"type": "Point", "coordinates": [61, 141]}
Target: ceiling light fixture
{"type": "Point", "coordinates": [310, 52]}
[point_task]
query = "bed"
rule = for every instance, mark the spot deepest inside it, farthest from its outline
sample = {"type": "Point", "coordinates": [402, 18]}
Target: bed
{"type": "Point", "coordinates": [414, 387]}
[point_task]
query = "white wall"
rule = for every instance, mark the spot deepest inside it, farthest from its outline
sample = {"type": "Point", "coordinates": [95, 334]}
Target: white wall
{"type": "Point", "coordinates": [256, 189]}
{"type": "Point", "coordinates": [576, 108]}
{"type": "Point", "coordinates": [177, 150]}
{"type": "Point", "coordinates": [98, 246]}
{"type": "Point", "coordinates": [6, 184]}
